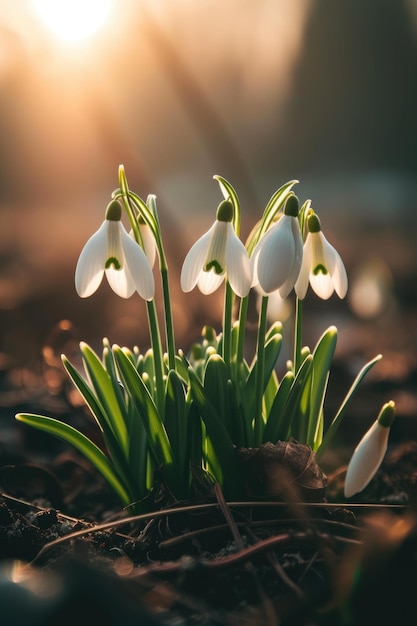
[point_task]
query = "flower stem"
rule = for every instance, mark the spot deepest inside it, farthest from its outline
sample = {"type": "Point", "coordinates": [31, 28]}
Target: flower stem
{"type": "Point", "coordinates": [260, 367]}
{"type": "Point", "coordinates": [169, 325]}
{"type": "Point", "coordinates": [243, 312]}
{"type": "Point", "coordinates": [157, 357]}
{"type": "Point", "coordinates": [298, 338]}
{"type": "Point", "coordinates": [163, 267]}
{"type": "Point", "coordinates": [227, 323]}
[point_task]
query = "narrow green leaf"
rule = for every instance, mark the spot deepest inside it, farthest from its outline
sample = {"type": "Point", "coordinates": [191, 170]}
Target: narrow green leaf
{"type": "Point", "coordinates": [275, 414]}
{"type": "Point", "coordinates": [219, 437]}
{"type": "Point", "coordinates": [135, 387]}
{"type": "Point", "coordinates": [322, 361]}
{"type": "Point", "coordinates": [177, 426]}
{"type": "Point", "coordinates": [116, 453]}
{"type": "Point", "coordinates": [272, 350]}
{"type": "Point", "coordinates": [216, 378]}
{"type": "Point", "coordinates": [291, 408]}
{"type": "Point", "coordinates": [270, 392]}
{"type": "Point", "coordinates": [102, 384]}
{"type": "Point", "coordinates": [90, 399]}
{"type": "Point", "coordinates": [81, 443]}
{"type": "Point", "coordinates": [337, 420]}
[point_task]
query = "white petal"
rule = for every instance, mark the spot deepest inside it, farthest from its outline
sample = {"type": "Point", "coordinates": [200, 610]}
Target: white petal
{"type": "Point", "coordinates": [90, 266]}
{"type": "Point", "coordinates": [322, 285]}
{"type": "Point", "coordinates": [254, 264]}
{"type": "Point", "coordinates": [149, 244]}
{"type": "Point", "coordinates": [335, 267]}
{"type": "Point", "coordinates": [238, 266]}
{"type": "Point", "coordinates": [217, 247]}
{"type": "Point", "coordinates": [298, 258]}
{"type": "Point", "coordinates": [209, 281]}
{"type": "Point", "coordinates": [337, 270]}
{"type": "Point", "coordinates": [322, 256]}
{"type": "Point", "coordinates": [301, 284]}
{"type": "Point", "coordinates": [276, 256]}
{"type": "Point", "coordinates": [366, 459]}
{"type": "Point", "coordinates": [120, 281]}
{"type": "Point", "coordinates": [194, 261]}
{"type": "Point", "coordinates": [138, 269]}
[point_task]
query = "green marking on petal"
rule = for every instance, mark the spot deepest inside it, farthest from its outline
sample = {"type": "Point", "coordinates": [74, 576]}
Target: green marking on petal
{"type": "Point", "coordinates": [214, 265]}
{"type": "Point", "coordinates": [112, 261]}
{"type": "Point", "coordinates": [320, 269]}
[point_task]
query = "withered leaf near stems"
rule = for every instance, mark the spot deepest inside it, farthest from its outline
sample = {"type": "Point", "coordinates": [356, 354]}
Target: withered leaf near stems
{"type": "Point", "coordinates": [286, 470]}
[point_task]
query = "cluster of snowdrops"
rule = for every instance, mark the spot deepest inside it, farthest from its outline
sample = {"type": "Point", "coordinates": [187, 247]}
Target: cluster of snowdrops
{"type": "Point", "coordinates": [170, 417]}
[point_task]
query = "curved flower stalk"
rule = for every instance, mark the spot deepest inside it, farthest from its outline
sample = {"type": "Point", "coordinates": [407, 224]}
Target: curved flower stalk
{"type": "Point", "coordinates": [369, 452]}
{"type": "Point", "coordinates": [218, 254]}
{"type": "Point", "coordinates": [113, 252]}
{"type": "Point", "coordinates": [276, 258]}
{"type": "Point", "coordinates": [322, 265]}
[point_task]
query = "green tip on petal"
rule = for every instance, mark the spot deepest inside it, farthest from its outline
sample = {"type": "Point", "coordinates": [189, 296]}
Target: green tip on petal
{"type": "Point", "coordinates": [292, 206]}
{"type": "Point", "coordinates": [387, 414]}
{"type": "Point", "coordinates": [114, 211]}
{"type": "Point", "coordinates": [225, 211]}
{"type": "Point", "coordinates": [313, 223]}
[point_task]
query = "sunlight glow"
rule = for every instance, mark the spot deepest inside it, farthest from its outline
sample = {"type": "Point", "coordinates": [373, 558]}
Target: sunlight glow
{"type": "Point", "coordinates": [71, 21]}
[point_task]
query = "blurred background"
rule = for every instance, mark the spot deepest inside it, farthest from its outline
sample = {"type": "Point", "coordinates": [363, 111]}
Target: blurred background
{"type": "Point", "coordinates": [258, 91]}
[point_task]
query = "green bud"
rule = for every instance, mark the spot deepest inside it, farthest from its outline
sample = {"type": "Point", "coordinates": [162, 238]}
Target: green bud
{"type": "Point", "coordinates": [313, 223]}
{"type": "Point", "coordinates": [292, 206]}
{"type": "Point", "coordinates": [387, 414]}
{"type": "Point", "coordinates": [209, 333]}
{"type": "Point", "coordinates": [196, 351]}
{"type": "Point", "coordinates": [114, 211]}
{"type": "Point", "coordinates": [225, 211]}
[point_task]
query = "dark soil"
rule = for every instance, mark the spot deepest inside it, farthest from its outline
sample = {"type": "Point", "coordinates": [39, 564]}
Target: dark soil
{"type": "Point", "coordinates": [69, 554]}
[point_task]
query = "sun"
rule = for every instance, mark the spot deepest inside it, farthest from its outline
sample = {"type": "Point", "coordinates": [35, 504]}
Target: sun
{"type": "Point", "coordinates": [72, 21]}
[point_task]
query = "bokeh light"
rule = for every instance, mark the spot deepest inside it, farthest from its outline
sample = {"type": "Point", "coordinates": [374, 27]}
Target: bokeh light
{"type": "Point", "coordinates": [73, 20]}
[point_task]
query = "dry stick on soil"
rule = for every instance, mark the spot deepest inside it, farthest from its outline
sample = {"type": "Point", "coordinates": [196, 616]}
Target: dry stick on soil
{"type": "Point", "coordinates": [205, 507]}
{"type": "Point", "coordinates": [267, 606]}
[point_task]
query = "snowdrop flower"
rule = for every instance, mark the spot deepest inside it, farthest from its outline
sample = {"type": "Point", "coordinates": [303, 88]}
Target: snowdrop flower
{"type": "Point", "coordinates": [113, 252]}
{"type": "Point", "coordinates": [147, 240]}
{"type": "Point", "coordinates": [217, 254]}
{"type": "Point", "coordinates": [276, 258]}
{"type": "Point", "coordinates": [322, 265]}
{"type": "Point", "coordinates": [369, 453]}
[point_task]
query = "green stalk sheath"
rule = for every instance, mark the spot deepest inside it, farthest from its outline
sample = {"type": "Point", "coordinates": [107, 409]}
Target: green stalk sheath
{"type": "Point", "coordinates": [298, 338]}
{"type": "Point", "coordinates": [260, 367]}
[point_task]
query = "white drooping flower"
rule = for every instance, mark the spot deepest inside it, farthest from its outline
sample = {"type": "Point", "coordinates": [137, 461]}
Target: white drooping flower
{"type": "Point", "coordinates": [218, 254]}
{"type": "Point", "coordinates": [369, 453]}
{"type": "Point", "coordinates": [111, 251]}
{"type": "Point", "coordinates": [276, 258]}
{"type": "Point", "coordinates": [322, 265]}
{"type": "Point", "coordinates": [147, 240]}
